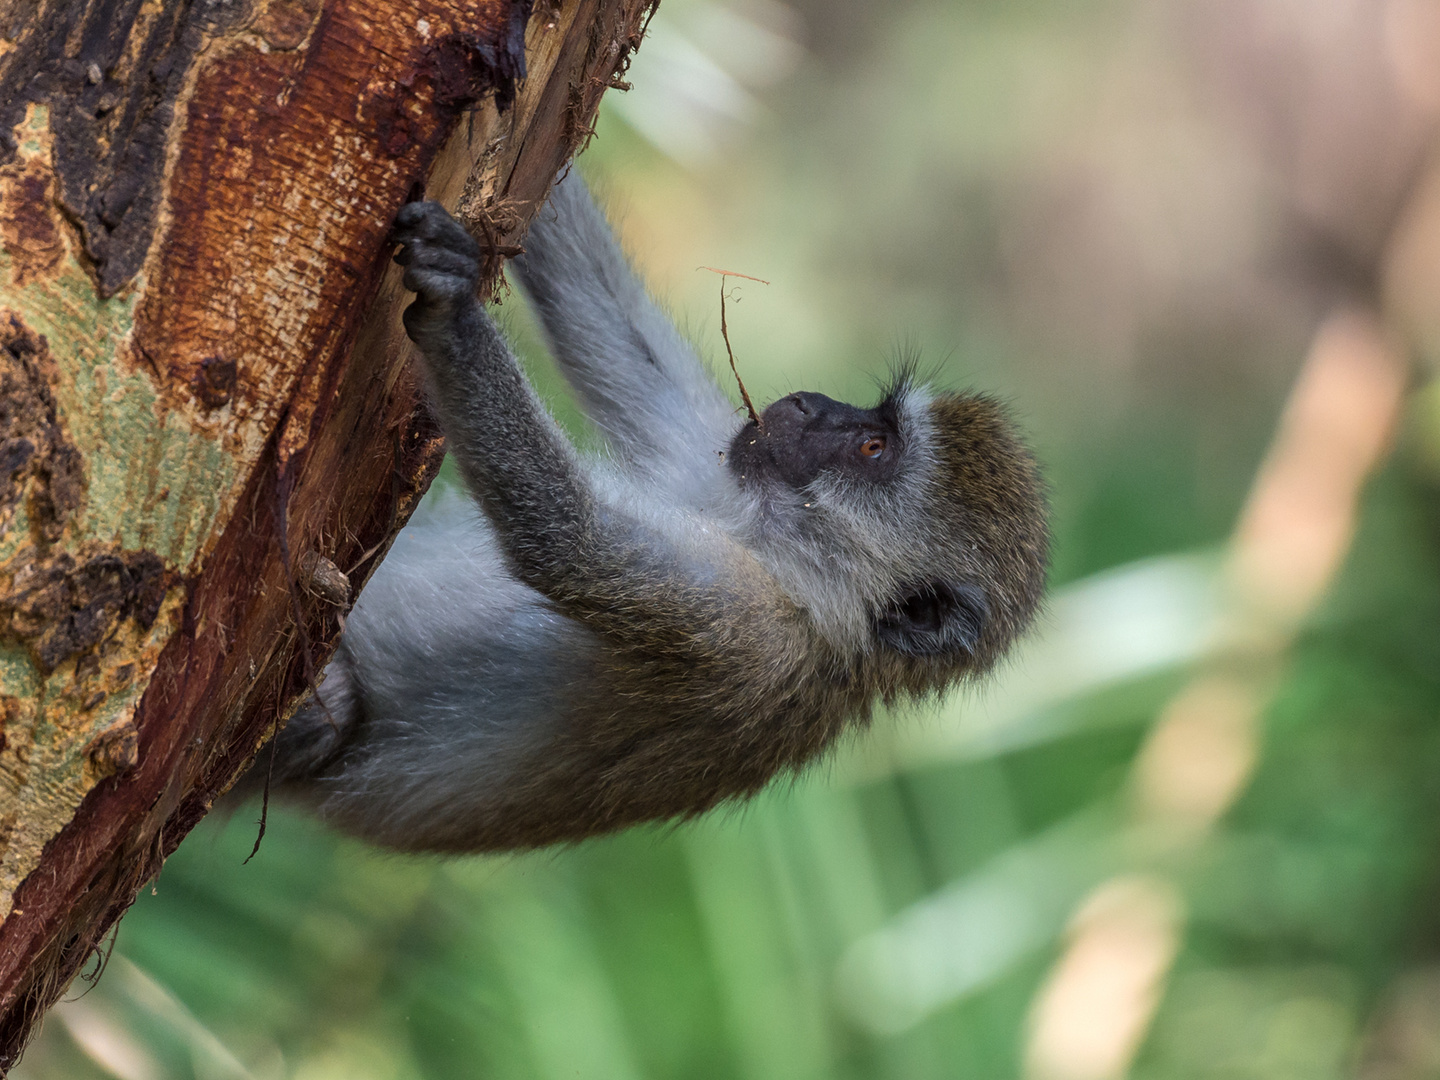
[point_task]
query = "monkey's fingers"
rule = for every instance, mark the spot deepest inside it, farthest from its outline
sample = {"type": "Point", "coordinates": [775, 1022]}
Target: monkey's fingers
{"type": "Point", "coordinates": [442, 261]}
{"type": "Point", "coordinates": [439, 287]}
{"type": "Point", "coordinates": [425, 256]}
{"type": "Point", "coordinates": [431, 222]}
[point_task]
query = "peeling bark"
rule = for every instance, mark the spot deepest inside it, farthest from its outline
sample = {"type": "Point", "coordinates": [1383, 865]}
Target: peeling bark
{"type": "Point", "coordinates": [208, 425]}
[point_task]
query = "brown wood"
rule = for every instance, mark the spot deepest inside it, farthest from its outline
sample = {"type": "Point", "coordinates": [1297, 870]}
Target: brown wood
{"type": "Point", "coordinates": [207, 418]}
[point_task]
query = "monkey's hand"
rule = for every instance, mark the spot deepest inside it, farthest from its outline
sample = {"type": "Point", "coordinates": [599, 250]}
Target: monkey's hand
{"type": "Point", "coordinates": [442, 267]}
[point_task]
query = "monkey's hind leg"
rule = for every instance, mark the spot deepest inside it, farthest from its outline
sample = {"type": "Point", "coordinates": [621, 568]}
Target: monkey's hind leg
{"type": "Point", "coordinates": [312, 739]}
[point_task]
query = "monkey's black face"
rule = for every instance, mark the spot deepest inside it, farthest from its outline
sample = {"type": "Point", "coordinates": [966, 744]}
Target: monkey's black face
{"type": "Point", "coordinates": [803, 435]}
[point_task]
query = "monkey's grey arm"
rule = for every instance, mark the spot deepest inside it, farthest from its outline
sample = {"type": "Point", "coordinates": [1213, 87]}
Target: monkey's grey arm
{"type": "Point", "coordinates": [509, 450]}
{"type": "Point", "coordinates": [558, 534]}
{"type": "Point", "coordinates": [639, 380]}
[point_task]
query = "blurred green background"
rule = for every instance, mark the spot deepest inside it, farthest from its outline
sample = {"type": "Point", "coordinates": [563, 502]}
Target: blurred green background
{"type": "Point", "coordinates": [1128, 218]}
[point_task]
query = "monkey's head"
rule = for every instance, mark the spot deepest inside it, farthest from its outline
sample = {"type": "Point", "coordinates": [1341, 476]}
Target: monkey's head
{"type": "Point", "coordinates": [913, 533]}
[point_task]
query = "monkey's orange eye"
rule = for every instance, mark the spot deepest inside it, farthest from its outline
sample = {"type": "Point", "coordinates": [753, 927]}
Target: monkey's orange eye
{"type": "Point", "coordinates": [873, 448]}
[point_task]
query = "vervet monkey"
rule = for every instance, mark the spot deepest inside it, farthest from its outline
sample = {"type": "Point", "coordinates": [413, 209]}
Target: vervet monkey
{"type": "Point", "coordinates": [600, 641]}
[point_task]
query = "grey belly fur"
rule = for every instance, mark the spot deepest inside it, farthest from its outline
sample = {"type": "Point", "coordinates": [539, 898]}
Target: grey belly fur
{"type": "Point", "coordinates": [449, 677]}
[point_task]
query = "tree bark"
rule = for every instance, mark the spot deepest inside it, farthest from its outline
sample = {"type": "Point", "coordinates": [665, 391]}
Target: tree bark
{"type": "Point", "coordinates": [208, 428]}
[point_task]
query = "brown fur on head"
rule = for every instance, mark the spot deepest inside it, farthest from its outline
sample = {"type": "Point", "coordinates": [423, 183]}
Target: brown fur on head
{"type": "Point", "coordinates": [989, 510]}
{"type": "Point", "coordinates": [966, 549]}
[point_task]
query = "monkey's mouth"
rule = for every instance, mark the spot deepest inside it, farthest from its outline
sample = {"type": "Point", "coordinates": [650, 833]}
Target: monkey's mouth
{"type": "Point", "coordinates": [752, 453]}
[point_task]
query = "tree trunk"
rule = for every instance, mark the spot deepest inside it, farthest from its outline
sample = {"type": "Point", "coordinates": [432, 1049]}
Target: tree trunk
{"type": "Point", "coordinates": [207, 421]}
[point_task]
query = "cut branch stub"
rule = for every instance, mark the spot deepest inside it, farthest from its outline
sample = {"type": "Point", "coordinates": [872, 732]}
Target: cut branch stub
{"type": "Point", "coordinates": [200, 347]}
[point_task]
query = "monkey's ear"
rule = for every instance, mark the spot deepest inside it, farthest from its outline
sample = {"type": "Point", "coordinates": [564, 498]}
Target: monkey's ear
{"type": "Point", "coordinates": [936, 618]}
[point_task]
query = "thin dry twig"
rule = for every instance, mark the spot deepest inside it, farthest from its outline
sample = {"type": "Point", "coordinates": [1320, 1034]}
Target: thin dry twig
{"type": "Point", "coordinates": [725, 334]}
